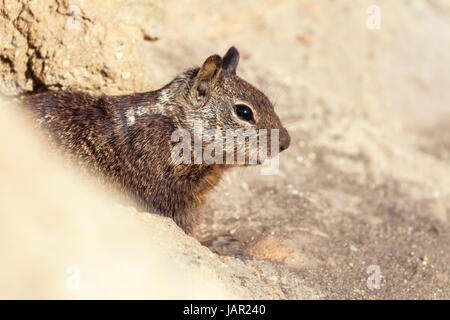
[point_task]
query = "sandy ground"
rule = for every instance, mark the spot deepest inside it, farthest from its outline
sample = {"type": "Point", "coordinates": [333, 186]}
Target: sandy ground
{"type": "Point", "coordinates": [365, 184]}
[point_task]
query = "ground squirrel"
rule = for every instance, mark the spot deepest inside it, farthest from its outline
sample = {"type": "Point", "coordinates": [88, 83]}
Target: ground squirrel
{"type": "Point", "coordinates": [128, 138]}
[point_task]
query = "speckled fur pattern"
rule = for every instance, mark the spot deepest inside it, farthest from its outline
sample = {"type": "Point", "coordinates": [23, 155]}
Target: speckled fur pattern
{"type": "Point", "coordinates": [127, 139]}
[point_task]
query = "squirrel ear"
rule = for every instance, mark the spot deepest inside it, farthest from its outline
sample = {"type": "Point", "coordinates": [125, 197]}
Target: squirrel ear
{"type": "Point", "coordinates": [230, 60]}
{"type": "Point", "coordinates": [208, 74]}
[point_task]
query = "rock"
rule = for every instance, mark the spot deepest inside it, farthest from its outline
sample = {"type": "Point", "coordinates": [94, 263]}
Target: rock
{"type": "Point", "coordinates": [274, 249]}
{"type": "Point", "coordinates": [50, 43]}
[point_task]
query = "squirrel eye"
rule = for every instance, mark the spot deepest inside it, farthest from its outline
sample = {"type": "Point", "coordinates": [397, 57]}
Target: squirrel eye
{"type": "Point", "coordinates": [244, 113]}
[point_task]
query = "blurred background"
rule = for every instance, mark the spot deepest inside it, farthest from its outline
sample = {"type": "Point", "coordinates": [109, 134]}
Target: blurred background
{"type": "Point", "coordinates": [360, 85]}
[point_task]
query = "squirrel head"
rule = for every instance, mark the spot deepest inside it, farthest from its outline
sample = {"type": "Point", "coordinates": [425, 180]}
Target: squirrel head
{"type": "Point", "coordinates": [222, 101]}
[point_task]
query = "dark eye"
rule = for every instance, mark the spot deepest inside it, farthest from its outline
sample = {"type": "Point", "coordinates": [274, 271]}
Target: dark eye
{"type": "Point", "coordinates": [244, 113]}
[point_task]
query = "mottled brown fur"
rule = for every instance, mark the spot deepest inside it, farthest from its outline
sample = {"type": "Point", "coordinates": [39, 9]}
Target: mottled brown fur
{"type": "Point", "coordinates": [127, 139]}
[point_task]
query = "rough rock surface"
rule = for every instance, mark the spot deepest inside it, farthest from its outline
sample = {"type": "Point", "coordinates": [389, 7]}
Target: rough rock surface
{"type": "Point", "coordinates": [85, 45]}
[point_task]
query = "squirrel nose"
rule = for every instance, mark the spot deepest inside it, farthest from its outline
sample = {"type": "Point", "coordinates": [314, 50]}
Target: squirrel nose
{"type": "Point", "coordinates": [285, 139]}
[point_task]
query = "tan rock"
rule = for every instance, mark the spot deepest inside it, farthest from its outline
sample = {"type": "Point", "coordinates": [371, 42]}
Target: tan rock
{"type": "Point", "coordinates": [75, 45]}
{"type": "Point", "coordinates": [274, 249]}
